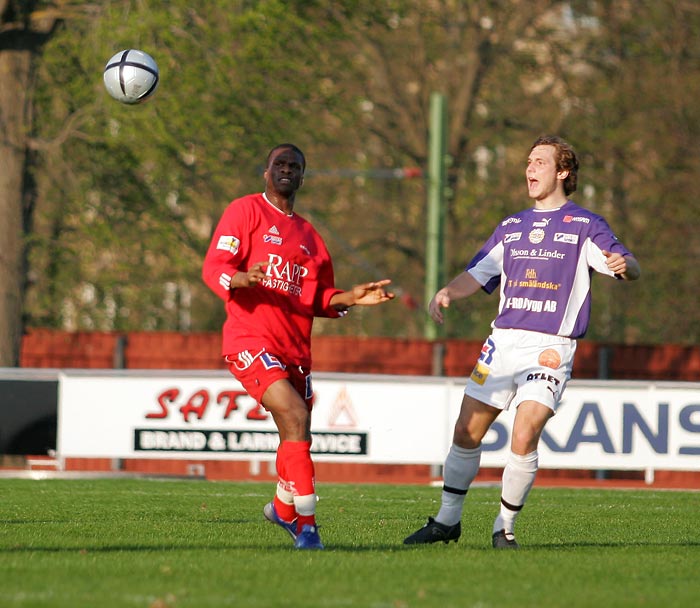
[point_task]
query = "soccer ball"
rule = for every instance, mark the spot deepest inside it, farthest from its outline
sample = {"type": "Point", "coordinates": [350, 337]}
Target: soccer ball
{"type": "Point", "coordinates": [131, 76]}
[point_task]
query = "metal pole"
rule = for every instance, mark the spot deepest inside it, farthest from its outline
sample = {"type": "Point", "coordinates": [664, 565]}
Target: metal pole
{"type": "Point", "coordinates": [437, 177]}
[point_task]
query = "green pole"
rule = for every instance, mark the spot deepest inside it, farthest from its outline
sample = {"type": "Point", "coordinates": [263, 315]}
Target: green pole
{"type": "Point", "coordinates": [437, 178]}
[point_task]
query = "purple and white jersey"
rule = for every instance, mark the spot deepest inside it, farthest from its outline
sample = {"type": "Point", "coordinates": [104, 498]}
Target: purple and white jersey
{"type": "Point", "coordinates": [543, 261]}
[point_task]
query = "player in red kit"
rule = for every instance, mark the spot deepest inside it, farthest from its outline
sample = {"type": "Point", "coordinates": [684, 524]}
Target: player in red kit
{"type": "Point", "coordinates": [274, 273]}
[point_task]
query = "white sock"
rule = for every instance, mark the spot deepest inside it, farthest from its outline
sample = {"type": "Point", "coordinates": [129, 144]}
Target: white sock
{"type": "Point", "coordinates": [518, 478]}
{"type": "Point", "coordinates": [284, 493]}
{"type": "Point", "coordinates": [461, 467]}
{"type": "Point", "coordinates": [305, 505]}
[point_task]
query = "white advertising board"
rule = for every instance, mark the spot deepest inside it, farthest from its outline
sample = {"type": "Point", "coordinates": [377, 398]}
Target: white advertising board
{"type": "Point", "coordinates": [368, 419]}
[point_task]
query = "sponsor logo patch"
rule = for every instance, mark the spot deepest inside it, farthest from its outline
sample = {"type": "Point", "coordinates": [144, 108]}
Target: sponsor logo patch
{"type": "Point", "coordinates": [513, 236]}
{"type": "Point", "coordinates": [536, 235]}
{"type": "Point", "coordinates": [275, 240]}
{"type": "Point", "coordinates": [228, 243]}
{"type": "Point", "coordinates": [271, 362]}
{"type": "Point", "coordinates": [487, 351]}
{"type": "Point", "coordinates": [571, 218]}
{"type": "Point", "coordinates": [565, 237]}
{"type": "Point", "coordinates": [549, 358]}
{"type": "Point", "coordinates": [542, 377]}
{"type": "Point", "coordinates": [480, 373]}
{"type": "Point", "coordinates": [511, 220]}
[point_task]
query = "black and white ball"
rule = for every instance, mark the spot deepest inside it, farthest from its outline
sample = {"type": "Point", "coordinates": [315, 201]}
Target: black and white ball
{"type": "Point", "coordinates": [131, 76]}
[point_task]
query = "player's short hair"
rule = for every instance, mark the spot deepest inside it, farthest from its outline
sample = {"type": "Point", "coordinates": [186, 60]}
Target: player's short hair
{"type": "Point", "coordinates": [292, 147]}
{"type": "Point", "coordinates": [564, 157]}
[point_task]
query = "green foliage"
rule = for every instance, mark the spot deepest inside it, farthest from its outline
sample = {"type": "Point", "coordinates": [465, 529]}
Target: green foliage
{"type": "Point", "coordinates": [146, 183]}
{"type": "Point", "coordinates": [128, 195]}
{"type": "Point", "coordinates": [192, 543]}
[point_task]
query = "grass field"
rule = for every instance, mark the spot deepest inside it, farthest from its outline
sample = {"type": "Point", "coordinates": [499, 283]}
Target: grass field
{"type": "Point", "coordinates": [174, 544]}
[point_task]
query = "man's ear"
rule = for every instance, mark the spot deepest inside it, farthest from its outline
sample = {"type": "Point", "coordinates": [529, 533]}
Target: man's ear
{"type": "Point", "coordinates": [562, 175]}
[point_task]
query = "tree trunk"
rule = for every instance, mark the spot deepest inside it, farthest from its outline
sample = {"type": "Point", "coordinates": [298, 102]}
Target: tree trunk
{"type": "Point", "coordinates": [15, 65]}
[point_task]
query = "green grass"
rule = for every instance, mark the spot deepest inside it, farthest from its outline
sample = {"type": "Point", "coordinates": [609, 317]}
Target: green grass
{"type": "Point", "coordinates": [175, 544]}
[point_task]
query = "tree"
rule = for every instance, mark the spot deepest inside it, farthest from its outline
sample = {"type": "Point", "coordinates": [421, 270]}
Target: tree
{"type": "Point", "coordinates": [494, 63]}
{"type": "Point", "coordinates": [619, 79]}
{"type": "Point", "coordinates": [24, 29]}
{"type": "Point", "coordinates": [641, 149]}
{"type": "Point", "coordinates": [126, 196]}
{"type": "Point", "coordinates": [129, 199]}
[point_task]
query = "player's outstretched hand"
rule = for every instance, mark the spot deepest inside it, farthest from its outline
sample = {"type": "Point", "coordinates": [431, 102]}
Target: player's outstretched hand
{"type": "Point", "coordinates": [626, 267]}
{"type": "Point", "coordinates": [615, 262]}
{"type": "Point", "coordinates": [440, 300]}
{"type": "Point", "coordinates": [369, 294]}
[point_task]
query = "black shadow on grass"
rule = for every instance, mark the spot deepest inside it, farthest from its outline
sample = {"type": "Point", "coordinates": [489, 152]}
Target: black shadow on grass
{"type": "Point", "coordinates": [19, 522]}
{"type": "Point", "coordinates": [138, 548]}
{"type": "Point", "coordinates": [609, 545]}
{"type": "Point", "coordinates": [218, 548]}
{"type": "Point", "coordinates": [329, 548]}
{"type": "Point", "coordinates": [524, 549]}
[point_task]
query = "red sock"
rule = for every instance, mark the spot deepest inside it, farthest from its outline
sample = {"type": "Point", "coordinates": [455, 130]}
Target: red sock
{"type": "Point", "coordinates": [285, 510]}
{"type": "Point", "coordinates": [305, 520]}
{"type": "Point", "coordinates": [279, 462]}
{"type": "Point", "coordinates": [300, 473]}
{"type": "Point", "coordinates": [298, 466]}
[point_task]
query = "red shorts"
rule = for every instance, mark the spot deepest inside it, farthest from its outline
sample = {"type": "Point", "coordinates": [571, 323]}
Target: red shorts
{"type": "Point", "coordinates": [257, 371]}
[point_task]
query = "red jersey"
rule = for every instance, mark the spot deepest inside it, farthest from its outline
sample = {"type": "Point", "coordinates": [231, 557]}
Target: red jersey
{"type": "Point", "coordinates": [278, 313]}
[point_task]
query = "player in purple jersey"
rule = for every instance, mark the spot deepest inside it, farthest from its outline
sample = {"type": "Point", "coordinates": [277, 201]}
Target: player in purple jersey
{"type": "Point", "coordinates": [542, 259]}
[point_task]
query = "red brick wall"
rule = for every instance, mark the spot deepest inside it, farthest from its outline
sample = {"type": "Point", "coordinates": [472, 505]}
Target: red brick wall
{"type": "Point", "coordinates": [172, 350]}
{"type": "Point", "coordinates": [60, 349]}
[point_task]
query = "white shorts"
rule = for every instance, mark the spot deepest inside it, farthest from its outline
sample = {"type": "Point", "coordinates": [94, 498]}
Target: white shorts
{"type": "Point", "coordinates": [517, 365]}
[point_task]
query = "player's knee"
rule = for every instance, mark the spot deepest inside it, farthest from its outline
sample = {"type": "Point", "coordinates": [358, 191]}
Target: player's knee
{"type": "Point", "coordinates": [296, 413]}
{"type": "Point", "coordinates": [464, 438]}
{"type": "Point", "coordinates": [524, 441]}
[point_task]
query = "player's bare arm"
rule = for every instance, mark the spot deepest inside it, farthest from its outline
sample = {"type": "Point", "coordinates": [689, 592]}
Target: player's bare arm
{"type": "Point", "coordinates": [254, 275]}
{"type": "Point", "coordinates": [626, 267]}
{"type": "Point", "coordinates": [462, 286]}
{"type": "Point", "coordinates": [365, 294]}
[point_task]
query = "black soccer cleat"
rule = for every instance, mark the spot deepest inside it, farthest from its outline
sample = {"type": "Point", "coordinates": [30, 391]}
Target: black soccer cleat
{"type": "Point", "coordinates": [504, 540]}
{"type": "Point", "coordinates": [434, 532]}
